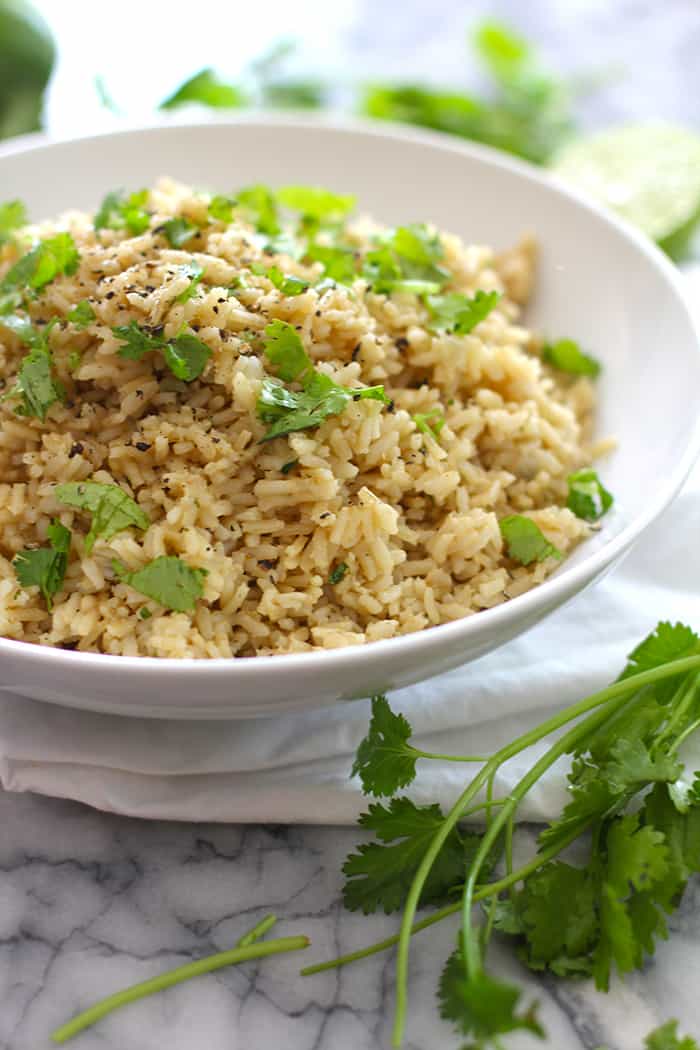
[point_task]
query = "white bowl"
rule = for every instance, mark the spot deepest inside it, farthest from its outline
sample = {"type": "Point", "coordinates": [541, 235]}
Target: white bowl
{"type": "Point", "coordinates": [600, 282]}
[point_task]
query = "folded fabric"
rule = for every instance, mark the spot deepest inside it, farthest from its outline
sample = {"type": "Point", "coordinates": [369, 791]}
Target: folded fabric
{"type": "Point", "coordinates": [296, 768]}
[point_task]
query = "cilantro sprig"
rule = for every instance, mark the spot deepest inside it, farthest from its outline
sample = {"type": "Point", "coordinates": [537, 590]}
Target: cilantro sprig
{"type": "Point", "coordinates": [47, 260]}
{"type": "Point", "coordinates": [45, 567]}
{"type": "Point", "coordinates": [185, 355]}
{"type": "Point", "coordinates": [123, 211]}
{"type": "Point", "coordinates": [525, 542]}
{"type": "Point", "coordinates": [406, 260]}
{"type": "Point", "coordinates": [36, 386]}
{"type": "Point", "coordinates": [112, 509]}
{"type": "Point", "coordinates": [167, 580]}
{"type": "Point", "coordinates": [460, 313]}
{"type": "Point", "coordinates": [13, 215]}
{"type": "Point", "coordinates": [567, 356]}
{"type": "Point", "coordinates": [633, 813]}
{"type": "Point", "coordinates": [319, 397]}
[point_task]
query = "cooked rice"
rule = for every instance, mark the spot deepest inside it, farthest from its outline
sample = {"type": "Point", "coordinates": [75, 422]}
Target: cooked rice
{"type": "Point", "coordinates": [414, 519]}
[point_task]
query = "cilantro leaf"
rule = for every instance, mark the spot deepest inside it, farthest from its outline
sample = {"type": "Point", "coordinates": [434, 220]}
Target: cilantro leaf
{"type": "Point", "coordinates": [186, 357]}
{"type": "Point", "coordinates": [567, 356]}
{"type": "Point", "coordinates": [385, 761]}
{"type": "Point", "coordinates": [667, 642]}
{"type": "Point", "coordinates": [666, 1038]}
{"type": "Point", "coordinates": [525, 540]}
{"type": "Point", "coordinates": [111, 508]}
{"type": "Point", "coordinates": [13, 215]}
{"type": "Point", "coordinates": [588, 498]}
{"type": "Point", "coordinates": [460, 313]}
{"type": "Point", "coordinates": [405, 260]}
{"type": "Point", "coordinates": [287, 283]}
{"type": "Point", "coordinates": [178, 231]}
{"type": "Point", "coordinates": [168, 581]}
{"type": "Point", "coordinates": [45, 567]}
{"type": "Point", "coordinates": [120, 210]}
{"type": "Point", "coordinates": [316, 202]}
{"type": "Point", "coordinates": [138, 341]}
{"type": "Point", "coordinates": [26, 332]}
{"type": "Point", "coordinates": [82, 314]}
{"type": "Point", "coordinates": [36, 385]}
{"type": "Point", "coordinates": [289, 410]}
{"type": "Point", "coordinates": [42, 264]}
{"type": "Point", "coordinates": [481, 1006]}
{"type": "Point", "coordinates": [209, 90]}
{"type": "Point", "coordinates": [430, 423]}
{"type": "Point", "coordinates": [637, 856]}
{"type": "Point", "coordinates": [339, 263]}
{"type": "Point", "coordinates": [221, 208]}
{"type": "Point", "coordinates": [379, 875]}
{"type": "Point", "coordinates": [195, 272]}
{"type": "Point", "coordinates": [337, 573]}
{"type": "Point", "coordinates": [259, 205]}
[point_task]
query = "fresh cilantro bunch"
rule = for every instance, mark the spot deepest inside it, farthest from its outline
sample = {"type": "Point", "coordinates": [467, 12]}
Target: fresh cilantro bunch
{"type": "Point", "coordinates": [633, 815]}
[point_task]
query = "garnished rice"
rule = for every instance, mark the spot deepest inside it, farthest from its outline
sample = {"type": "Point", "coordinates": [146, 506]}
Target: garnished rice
{"type": "Point", "coordinates": [216, 370]}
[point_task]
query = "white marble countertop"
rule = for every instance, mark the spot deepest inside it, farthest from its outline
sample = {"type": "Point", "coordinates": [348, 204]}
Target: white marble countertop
{"type": "Point", "coordinates": [90, 902]}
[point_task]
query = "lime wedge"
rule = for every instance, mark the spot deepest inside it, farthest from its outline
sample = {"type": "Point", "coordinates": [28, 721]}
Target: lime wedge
{"type": "Point", "coordinates": [648, 173]}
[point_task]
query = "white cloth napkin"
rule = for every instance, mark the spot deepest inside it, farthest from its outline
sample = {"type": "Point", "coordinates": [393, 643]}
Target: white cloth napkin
{"type": "Point", "coordinates": [295, 769]}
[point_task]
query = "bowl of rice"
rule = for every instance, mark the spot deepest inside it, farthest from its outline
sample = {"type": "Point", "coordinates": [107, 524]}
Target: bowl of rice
{"type": "Point", "coordinates": [297, 411]}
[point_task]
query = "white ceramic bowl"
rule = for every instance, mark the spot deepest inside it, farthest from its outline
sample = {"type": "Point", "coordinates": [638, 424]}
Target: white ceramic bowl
{"type": "Point", "coordinates": [599, 282]}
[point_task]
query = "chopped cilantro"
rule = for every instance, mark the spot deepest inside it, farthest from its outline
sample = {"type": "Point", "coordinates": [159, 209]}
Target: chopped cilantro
{"type": "Point", "coordinates": [186, 357]}
{"type": "Point", "coordinates": [405, 260]}
{"type": "Point", "coordinates": [567, 356]}
{"type": "Point", "coordinates": [74, 359]}
{"type": "Point", "coordinates": [168, 581]}
{"type": "Point", "coordinates": [45, 567]}
{"type": "Point", "coordinates": [9, 301]}
{"type": "Point", "coordinates": [459, 313]}
{"type": "Point", "coordinates": [337, 573]}
{"type": "Point", "coordinates": [525, 540]}
{"type": "Point", "coordinates": [82, 314]}
{"type": "Point", "coordinates": [207, 89]}
{"type": "Point", "coordinates": [195, 272]}
{"type": "Point", "coordinates": [316, 202]}
{"type": "Point", "coordinates": [145, 613]}
{"type": "Point", "coordinates": [111, 508]}
{"type": "Point", "coordinates": [45, 261]}
{"type": "Point", "coordinates": [430, 423]}
{"type": "Point", "coordinates": [26, 332]}
{"type": "Point", "coordinates": [320, 397]}
{"type": "Point", "coordinates": [588, 498]}
{"type": "Point", "coordinates": [260, 207]}
{"type": "Point", "coordinates": [221, 208]}
{"type": "Point", "coordinates": [137, 341]}
{"type": "Point", "coordinates": [120, 210]}
{"type": "Point", "coordinates": [36, 385]}
{"type": "Point", "coordinates": [287, 283]}
{"type": "Point", "coordinates": [13, 215]}
{"type": "Point", "coordinates": [339, 263]}
{"type": "Point", "coordinates": [178, 231]}
{"type": "Point", "coordinates": [289, 466]}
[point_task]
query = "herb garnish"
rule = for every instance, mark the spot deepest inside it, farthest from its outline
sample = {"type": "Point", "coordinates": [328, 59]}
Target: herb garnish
{"type": "Point", "coordinates": [430, 423]}
{"type": "Point", "coordinates": [588, 498]}
{"type": "Point", "coordinates": [259, 206]}
{"type": "Point", "coordinates": [339, 262]}
{"type": "Point", "coordinates": [185, 355]}
{"type": "Point", "coordinates": [337, 573]}
{"type": "Point", "coordinates": [208, 89]}
{"type": "Point", "coordinates": [82, 314]}
{"type": "Point", "coordinates": [221, 208]}
{"type": "Point", "coordinates": [567, 356]}
{"type": "Point", "coordinates": [36, 385]}
{"type": "Point", "coordinates": [41, 264]}
{"type": "Point", "coordinates": [460, 313]}
{"type": "Point", "coordinates": [178, 231]}
{"type": "Point", "coordinates": [525, 540]}
{"type": "Point", "coordinates": [167, 580]}
{"type": "Point", "coordinates": [320, 397]}
{"type": "Point", "coordinates": [45, 567]}
{"type": "Point", "coordinates": [195, 272]}
{"type": "Point", "coordinates": [405, 260]}
{"type": "Point", "coordinates": [633, 814]}
{"type": "Point", "coordinates": [120, 210]}
{"type": "Point", "coordinates": [111, 508]}
{"type": "Point", "coordinates": [287, 283]}
{"type": "Point", "coordinates": [13, 215]}
{"type": "Point", "coordinates": [315, 202]}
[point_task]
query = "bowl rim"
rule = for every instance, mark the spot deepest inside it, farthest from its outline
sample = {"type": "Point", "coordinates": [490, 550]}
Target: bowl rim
{"type": "Point", "coordinates": [550, 592]}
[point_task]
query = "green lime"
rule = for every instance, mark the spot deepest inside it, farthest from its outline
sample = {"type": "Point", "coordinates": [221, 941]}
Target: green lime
{"type": "Point", "coordinates": [648, 173]}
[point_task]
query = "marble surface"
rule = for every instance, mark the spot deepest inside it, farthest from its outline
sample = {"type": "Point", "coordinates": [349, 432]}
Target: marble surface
{"type": "Point", "coordinates": [90, 902]}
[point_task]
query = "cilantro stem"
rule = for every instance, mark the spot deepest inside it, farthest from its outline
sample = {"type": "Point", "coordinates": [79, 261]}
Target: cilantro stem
{"type": "Point", "coordinates": [617, 690]}
{"type": "Point", "coordinates": [182, 973]}
{"type": "Point", "coordinates": [451, 758]}
{"type": "Point", "coordinates": [257, 932]}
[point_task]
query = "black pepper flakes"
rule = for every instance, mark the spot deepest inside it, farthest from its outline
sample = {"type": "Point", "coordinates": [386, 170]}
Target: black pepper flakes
{"type": "Point", "coordinates": [267, 563]}
{"type": "Point", "coordinates": [356, 351]}
{"type": "Point", "coordinates": [142, 446]}
{"type": "Point", "coordinates": [110, 295]}
{"type": "Point", "coordinates": [402, 343]}
{"type": "Point", "coordinates": [76, 449]}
